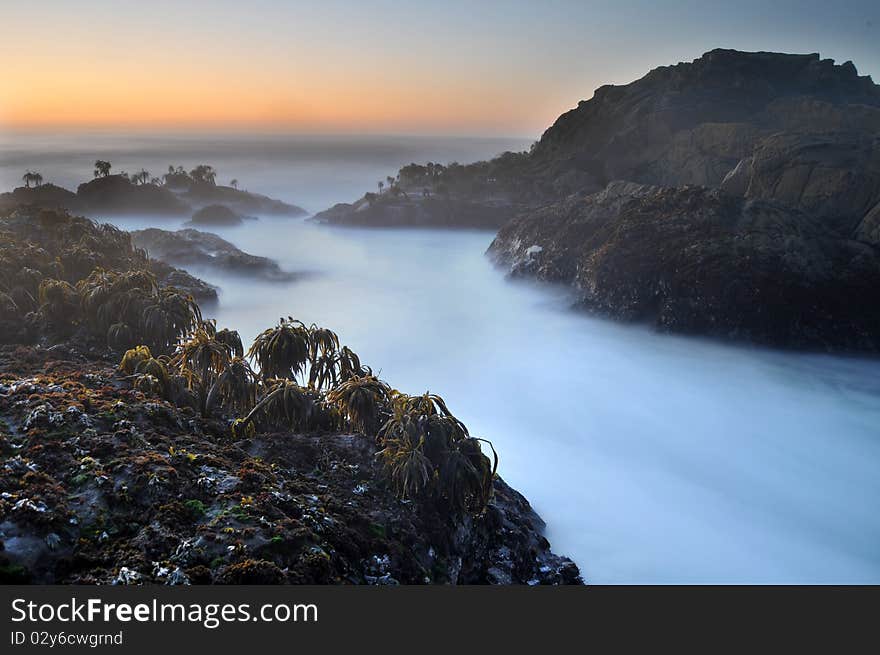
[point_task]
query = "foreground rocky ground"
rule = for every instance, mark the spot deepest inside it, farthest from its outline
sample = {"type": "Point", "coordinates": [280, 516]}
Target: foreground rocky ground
{"type": "Point", "coordinates": [137, 444]}
{"type": "Point", "coordinates": [100, 484]}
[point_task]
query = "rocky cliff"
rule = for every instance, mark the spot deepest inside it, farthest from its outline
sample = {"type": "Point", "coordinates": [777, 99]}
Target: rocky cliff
{"type": "Point", "coordinates": [692, 123]}
{"type": "Point", "coordinates": [737, 195]}
{"type": "Point", "coordinates": [698, 261]}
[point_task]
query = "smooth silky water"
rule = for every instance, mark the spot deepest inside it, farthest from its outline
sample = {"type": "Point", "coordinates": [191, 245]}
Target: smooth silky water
{"type": "Point", "coordinates": [653, 459]}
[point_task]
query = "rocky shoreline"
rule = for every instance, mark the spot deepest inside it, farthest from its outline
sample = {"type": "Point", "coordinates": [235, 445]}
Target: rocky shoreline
{"type": "Point", "coordinates": [137, 445]}
{"type": "Point", "coordinates": [696, 261]}
{"type": "Point", "coordinates": [101, 484]}
{"type": "Point", "coordinates": [177, 194]}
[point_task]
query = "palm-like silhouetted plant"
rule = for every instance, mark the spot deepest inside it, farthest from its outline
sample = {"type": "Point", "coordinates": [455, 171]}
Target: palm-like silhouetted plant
{"type": "Point", "coordinates": [131, 305]}
{"type": "Point", "coordinates": [323, 357]}
{"type": "Point", "coordinates": [428, 451]}
{"type": "Point", "coordinates": [281, 351]}
{"type": "Point", "coordinates": [235, 388]}
{"type": "Point", "coordinates": [27, 178]}
{"type": "Point", "coordinates": [204, 174]}
{"type": "Point", "coordinates": [58, 304]}
{"type": "Point", "coordinates": [201, 358]}
{"type": "Point", "coordinates": [232, 341]}
{"type": "Point", "coordinates": [361, 401]}
{"type": "Point", "coordinates": [285, 404]}
{"type": "Point", "coordinates": [102, 168]}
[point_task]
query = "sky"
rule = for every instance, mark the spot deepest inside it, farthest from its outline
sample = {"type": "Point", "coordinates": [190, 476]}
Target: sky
{"type": "Point", "coordinates": [443, 67]}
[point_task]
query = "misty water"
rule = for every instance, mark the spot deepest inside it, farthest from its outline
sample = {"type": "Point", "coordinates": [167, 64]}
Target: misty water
{"type": "Point", "coordinates": [652, 458]}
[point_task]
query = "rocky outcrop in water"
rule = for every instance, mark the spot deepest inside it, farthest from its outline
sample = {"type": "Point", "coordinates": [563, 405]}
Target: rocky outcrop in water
{"type": "Point", "coordinates": [116, 194]}
{"type": "Point", "coordinates": [749, 205]}
{"type": "Point", "coordinates": [244, 203]}
{"type": "Point", "coordinates": [218, 215]}
{"type": "Point", "coordinates": [398, 211]}
{"type": "Point", "coordinates": [191, 247]}
{"type": "Point", "coordinates": [119, 195]}
{"type": "Point", "coordinates": [699, 261]}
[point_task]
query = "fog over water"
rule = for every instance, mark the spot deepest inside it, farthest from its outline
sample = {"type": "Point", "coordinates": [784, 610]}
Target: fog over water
{"type": "Point", "coordinates": [652, 458]}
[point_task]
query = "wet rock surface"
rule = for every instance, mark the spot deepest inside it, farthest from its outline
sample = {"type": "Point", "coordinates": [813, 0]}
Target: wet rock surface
{"type": "Point", "coordinates": [698, 261]}
{"type": "Point", "coordinates": [100, 484]}
{"type": "Point", "coordinates": [216, 215]}
{"type": "Point", "coordinates": [190, 247]}
{"type": "Point", "coordinates": [242, 202]}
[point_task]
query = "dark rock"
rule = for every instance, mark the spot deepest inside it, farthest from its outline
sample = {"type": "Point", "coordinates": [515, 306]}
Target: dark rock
{"type": "Point", "coordinates": [782, 252]}
{"type": "Point", "coordinates": [698, 261]}
{"type": "Point", "coordinates": [691, 123]}
{"type": "Point", "coordinates": [219, 215]}
{"type": "Point", "coordinates": [191, 247]}
{"type": "Point", "coordinates": [418, 212]}
{"type": "Point", "coordinates": [138, 498]}
{"type": "Point", "coordinates": [48, 196]}
{"type": "Point", "coordinates": [180, 279]}
{"type": "Point", "coordinates": [834, 176]}
{"type": "Point", "coordinates": [243, 202]}
{"type": "Point", "coordinates": [118, 195]}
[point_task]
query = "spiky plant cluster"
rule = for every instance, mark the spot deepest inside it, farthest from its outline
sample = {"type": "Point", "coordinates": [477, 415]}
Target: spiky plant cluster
{"type": "Point", "coordinates": [308, 383]}
{"type": "Point", "coordinates": [310, 354]}
{"type": "Point", "coordinates": [131, 308]}
{"type": "Point", "coordinates": [215, 373]}
{"type": "Point", "coordinates": [427, 451]}
{"type": "Point", "coordinates": [281, 351]}
{"type": "Point", "coordinates": [361, 401]}
{"type": "Point", "coordinates": [63, 274]}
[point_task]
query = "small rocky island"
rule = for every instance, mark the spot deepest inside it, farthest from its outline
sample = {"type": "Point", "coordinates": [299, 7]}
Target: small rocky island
{"type": "Point", "coordinates": [178, 193]}
{"type": "Point", "coordinates": [143, 444]}
{"type": "Point", "coordinates": [736, 196]}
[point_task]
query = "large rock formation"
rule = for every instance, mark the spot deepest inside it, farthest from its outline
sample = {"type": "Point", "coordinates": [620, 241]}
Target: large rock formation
{"type": "Point", "coordinates": [693, 122]}
{"type": "Point", "coordinates": [199, 194]}
{"type": "Point", "coordinates": [834, 176]}
{"type": "Point", "coordinates": [699, 261]}
{"type": "Point", "coordinates": [749, 206]}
